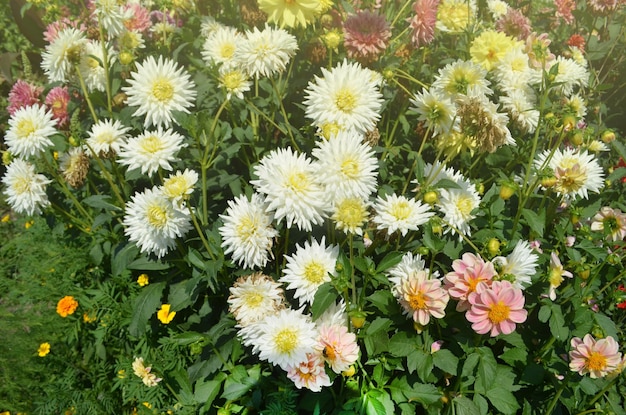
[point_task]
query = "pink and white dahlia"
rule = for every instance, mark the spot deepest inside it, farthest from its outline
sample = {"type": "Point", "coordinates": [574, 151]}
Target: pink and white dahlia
{"type": "Point", "coordinates": [338, 346]}
{"type": "Point", "coordinates": [595, 357]}
{"type": "Point", "coordinates": [469, 271]}
{"type": "Point", "coordinates": [309, 374]}
{"type": "Point", "coordinates": [496, 309]}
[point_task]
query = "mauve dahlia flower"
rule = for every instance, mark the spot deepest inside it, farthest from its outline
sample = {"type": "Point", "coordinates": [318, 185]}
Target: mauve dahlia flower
{"type": "Point", "coordinates": [23, 94]}
{"type": "Point", "coordinates": [366, 35]}
{"type": "Point", "coordinates": [423, 22]}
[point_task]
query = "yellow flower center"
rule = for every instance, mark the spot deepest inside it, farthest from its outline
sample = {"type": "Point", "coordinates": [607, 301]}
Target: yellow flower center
{"type": "Point", "coordinates": [499, 312]}
{"type": "Point", "coordinates": [247, 228]}
{"type": "Point", "coordinates": [417, 301]}
{"type": "Point", "coordinates": [233, 80]}
{"type": "Point", "coordinates": [329, 352]}
{"type": "Point", "coordinates": [297, 182]}
{"type": "Point", "coordinates": [25, 128]}
{"type": "Point", "coordinates": [286, 340]}
{"type": "Point", "coordinates": [401, 210]}
{"type": "Point", "coordinates": [162, 90]}
{"type": "Point", "coordinates": [351, 212]}
{"type": "Point", "coordinates": [465, 205]}
{"type": "Point", "coordinates": [570, 178]}
{"type": "Point", "coordinates": [227, 50]}
{"type": "Point", "coordinates": [350, 168]}
{"type": "Point", "coordinates": [175, 187]}
{"type": "Point", "coordinates": [92, 63]}
{"type": "Point", "coordinates": [314, 272]}
{"type": "Point", "coordinates": [21, 185]}
{"type": "Point", "coordinates": [556, 277]}
{"type": "Point", "coordinates": [157, 216]}
{"type": "Point", "coordinates": [151, 144]}
{"type": "Point", "coordinates": [253, 299]}
{"type": "Point", "coordinates": [596, 361]}
{"type": "Point", "coordinates": [345, 100]}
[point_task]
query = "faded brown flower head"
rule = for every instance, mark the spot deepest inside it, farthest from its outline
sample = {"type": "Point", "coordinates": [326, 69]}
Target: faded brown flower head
{"type": "Point", "coordinates": [251, 14]}
{"type": "Point", "coordinates": [480, 122]}
{"type": "Point", "coordinates": [74, 167]}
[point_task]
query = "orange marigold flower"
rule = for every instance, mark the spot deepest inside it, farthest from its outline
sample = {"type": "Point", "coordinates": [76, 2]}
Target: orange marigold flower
{"type": "Point", "coordinates": [66, 306]}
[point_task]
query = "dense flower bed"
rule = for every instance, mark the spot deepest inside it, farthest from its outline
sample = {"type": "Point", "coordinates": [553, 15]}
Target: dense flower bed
{"type": "Point", "coordinates": [298, 206]}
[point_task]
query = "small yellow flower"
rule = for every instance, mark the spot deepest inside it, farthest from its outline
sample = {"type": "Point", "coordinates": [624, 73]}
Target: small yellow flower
{"type": "Point", "coordinates": [143, 280]}
{"type": "Point", "coordinates": [147, 405]}
{"type": "Point", "coordinates": [164, 315]}
{"type": "Point", "coordinates": [6, 218]}
{"type": "Point", "coordinates": [89, 318]}
{"type": "Point", "coordinates": [28, 224]}
{"type": "Point", "coordinates": [121, 373]}
{"type": "Point", "coordinates": [44, 349]}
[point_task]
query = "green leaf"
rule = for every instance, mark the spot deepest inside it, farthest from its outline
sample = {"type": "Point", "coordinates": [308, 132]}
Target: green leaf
{"type": "Point", "coordinates": [446, 361]}
{"type": "Point", "coordinates": [516, 354]}
{"type": "Point", "coordinates": [606, 324]}
{"type": "Point", "coordinates": [390, 260]}
{"type": "Point", "coordinates": [146, 305]}
{"type": "Point", "coordinates": [101, 202]}
{"type": "Point", "coordinates": [425, 393]}
{"type": "Point", "coordinates": [240, 382]}
{"type": "Point", "coordinates": [465, 406]}
{"type": "Point", "coordinates": [205, 392]}
{"type": "Point", "coordinates": [401, 345]}
{"type": "Point", "coordinates": [325, 296]}
{"type": "Point", "coordinates": [186, 338]}
{"type": "Point", "coordinates": [486, 372]}
{"type": "Point", "coordinates": [422, 362]}
{"type": "Point", "coordinates": [503, 400]}
{"type": "Point", "coordinates": [384, 301]}
{"type": "Point", "coordinates": [122, 258]}
{"type": "Point", "coordinates": [378, 402]}
{"type": "Point", "coordinates": [536, 222]}
{"type": "Point", "coordinates": [447, 184]}
{"type": "Point", "coordinates": [544, 313]}
{"type": "Point", "coordinates": [557, 323]}
{"type": "Point", "coordinates": [144, 263]}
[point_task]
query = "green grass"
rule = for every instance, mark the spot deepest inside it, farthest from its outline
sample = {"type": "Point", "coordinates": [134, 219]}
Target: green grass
{"type": "Point", "coordinates": [37, 268]}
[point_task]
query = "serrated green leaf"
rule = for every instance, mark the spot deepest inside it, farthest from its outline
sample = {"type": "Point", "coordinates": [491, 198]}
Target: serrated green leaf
{"type": "Point", "coordinates": [425, 393]}
{"type": "Point", "coordinates": [606, 324]}
{"type": "Point", "coordinates": [146, 305]}
{"type": "Point", "coordinates": [122, 258]}
{"type": "Point", "coordinates": [390, 260]}
{"type": "Point", "coordinates": [384, 301]}
{"type": "Point", "coordinates": [503, 400]}
{"type": "Point", "coordinates": [206, 392]}
{"type": "Point", "coordinates": [325, 296]}
{"type": "Point", "coordinates": [401, 345]}
{"type": "Point", "coordinates": [100, 202]}
{"type": "Point", "coordinates": [465, 406]}
{"type": "Point", "coordinates": [446, 361]}
{"type": "Point", "coordinates": [557, 323]}
{"type": "Point", "coordinates": [144, 263]}
{"type": "Point", "coordinates": [513, 355]}
{"type": "Point", "coordinates": [535, 221]}
{"type": "Point", "coordinates": [486, 372]}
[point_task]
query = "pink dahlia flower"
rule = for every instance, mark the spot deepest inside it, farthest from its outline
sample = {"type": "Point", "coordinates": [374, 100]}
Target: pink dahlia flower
{"type": "Point", "coordinates": [56, 101]}
{"type": "Point", "coordinates": [564, 9]}
{"type": "Point", "coordinates": [23, 94]}
{"type": "Point", "coordinates": [338, 346]}
{"type": "Point", "coordinates": [309, 374]}
{"type": "Point", "coordinates": [422, 297]}
{"type": "Point", "coordinates": [140, 17]}
{"type": "Point", "coordinates": [598, 358]}
{"type": "Point", "coordinates": [423, 22]}
{"type": "Point", "coordinates": [366, 35]}
{"type": "Point", "coordinates": [469, 271]}
{"type": "Point", "coordinates": [496, 310]}
{"type": "Point", "coordinates": [514, 24]}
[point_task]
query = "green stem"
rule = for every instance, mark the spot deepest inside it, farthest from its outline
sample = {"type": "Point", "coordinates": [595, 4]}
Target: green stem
{"type": "Point", "coordinates": [284, 113]}
{"type": "Point", "coordinates": [107, 175]}
{"type": "Point", "coordinates": [402, 9]}
{"type": "Point", "coordinates": [105, 65]}
{"type": "Point", "coordinates": [83, 87]}
{"type": "Point", "coordinates": [207, 160]}
{"type": "Point", "coordinates": [556, 397]}
{"type": "Point", "coordinates": [201, 233]}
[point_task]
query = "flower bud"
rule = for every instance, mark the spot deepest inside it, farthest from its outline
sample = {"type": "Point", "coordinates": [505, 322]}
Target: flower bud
{"type": "Point", "coordinates": [493, 246]}
{"type": "Point", "coordinates": [431, 197]}
{"type": "Point", "coordinates": [608, 136]}
{"type": "Point", "coordinates": [506, 191]}
{"type": "Point", "coordinates": [357, 319]}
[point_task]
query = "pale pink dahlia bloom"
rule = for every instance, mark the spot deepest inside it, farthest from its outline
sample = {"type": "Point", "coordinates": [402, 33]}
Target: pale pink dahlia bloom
{"type": "Point", "coordinates": [338, 346]}
{"type": "Point", "coordinates": [496, 309]}
{"type": "Point", "coordinates": [421, 297]}
{"type": "Point", "coordinates": [56, 101]}
{"type": "Point", "coordinates": [564, 9]}
{"type": "Point", "coordinates": [366, 35]}
{"type": "Point", "coordinates": [23, 94]}
{"type": "Point", "coordinates": [423, 22]}
{"type": "Point", "coordinates": [469, 271]}
{"type": "Point", "coordinates": [598, 358]}
{"type": "Point", "coordinates": [140, 17]}
{"type": "Point", "coordinates": [309, 374]}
